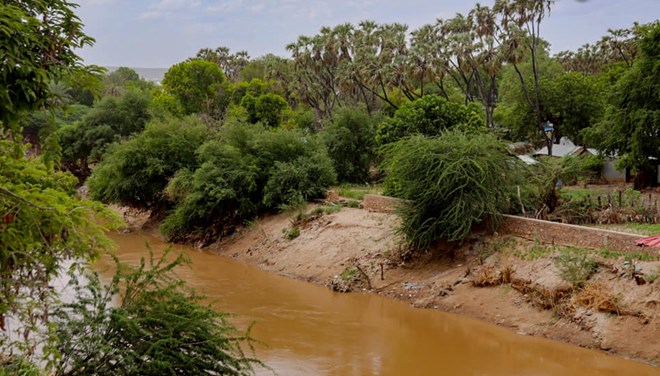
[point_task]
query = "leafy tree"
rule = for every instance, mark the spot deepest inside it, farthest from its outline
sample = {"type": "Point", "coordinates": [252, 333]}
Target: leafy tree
{"type": "Point", "coordinates": [122, 79]}
{"type": "Point", "coordinates": [135, 172]}
{"type": "Point", "coordinates": [427, 116]}
{"type": "Point", "coordinates": [196, 84]}
{"type": "Point", "coordinates": [350, 139]}
{"type": "Point", "coordinates": [449, 182]}
{"type": "Point", "coordinates": [572, 101]}
{"type": "Point", "coordinates": [247, 171]}
{"type": "Point", "coordinates": [147, 322]}
{"type": "Point", "coordinates": [269, 108]}
{"type": "Point", "coordinates": [631, 126]}
{"type": "Point", "coordinates": [112, 119]}
{"type": "Point", "coordinates": [38, 44]}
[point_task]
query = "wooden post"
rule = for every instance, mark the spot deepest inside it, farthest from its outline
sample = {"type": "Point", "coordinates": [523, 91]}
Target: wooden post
{"type": "Point", "coordinates": [600, 202]}
{"type": "Point", "coordinates": [609, 199]}
{"type": "Point", "coordinates": [382, 276]}
{"type": "Point", "coordinates": [620, 197]}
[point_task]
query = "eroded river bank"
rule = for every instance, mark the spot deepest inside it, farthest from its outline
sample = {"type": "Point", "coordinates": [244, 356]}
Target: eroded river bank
{"type": "Point", "coordinates": [311, 330]}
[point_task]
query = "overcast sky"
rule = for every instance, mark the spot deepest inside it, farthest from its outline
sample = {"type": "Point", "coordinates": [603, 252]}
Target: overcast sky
{"type": "Point", "coordinates": [160, 33]}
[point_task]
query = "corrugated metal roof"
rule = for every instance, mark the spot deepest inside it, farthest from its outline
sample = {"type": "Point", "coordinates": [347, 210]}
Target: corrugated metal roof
{"type": "Point", "coordinates": [563, 148]}
{"type": "Point", "coordinates": [650, 241]}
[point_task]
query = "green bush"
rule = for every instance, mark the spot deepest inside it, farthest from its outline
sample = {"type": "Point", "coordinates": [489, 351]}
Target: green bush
{"type": "Point", "coordinates": [111, 120]}
{"type": "Point", "coordinates": [429, 116]}
{"type": "Point", "coordinates": [135, 172]}
{"type": "Point", "coordinates": [351, 144]}
{"type": "Point", "coordinates": [146, 322]}
{"type": "Point", "coordinates": [247, 171]}
{"type": "Point", "coordinates": [449, 183]}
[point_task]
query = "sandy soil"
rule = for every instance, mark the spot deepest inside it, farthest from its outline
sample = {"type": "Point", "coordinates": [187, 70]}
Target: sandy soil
{"type": "Point", "coordinates": [500, 279]}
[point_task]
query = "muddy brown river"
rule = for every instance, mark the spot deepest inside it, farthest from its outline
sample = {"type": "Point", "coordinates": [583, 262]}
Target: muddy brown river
{"type": "Point", "coordinates": [310, 330]}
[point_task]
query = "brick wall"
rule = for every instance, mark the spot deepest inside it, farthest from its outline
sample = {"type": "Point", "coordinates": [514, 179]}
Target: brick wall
{"type": "Point", "coordinates": [543, 231]}
{"type": "Point", "coordinates": [572, 235]}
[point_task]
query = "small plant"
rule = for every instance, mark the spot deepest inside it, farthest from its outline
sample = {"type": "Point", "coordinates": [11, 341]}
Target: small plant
{"type": "Point", "coordinates": [292, 232]}
{"type": "Point", "coordinates": [348, 273]}
{"type": "Point", "coordinates": [575, 268]}
{"type": "Point", "coordinates": [353, 204]}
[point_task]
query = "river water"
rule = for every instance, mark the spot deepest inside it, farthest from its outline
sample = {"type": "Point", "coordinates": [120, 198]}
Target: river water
{"type": "Point", "coordinates": [310, 330]}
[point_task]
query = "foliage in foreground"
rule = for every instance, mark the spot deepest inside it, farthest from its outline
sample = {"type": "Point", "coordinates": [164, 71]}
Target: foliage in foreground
{"type": "Point", "coordinates": [449, 183]}
{"type": "Point", "coordinates": [42, 225]}
{"type": "Point", "coordinates": [159, 327]}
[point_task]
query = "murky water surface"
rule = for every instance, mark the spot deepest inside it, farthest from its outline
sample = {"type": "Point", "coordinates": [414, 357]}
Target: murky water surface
{"type": "Point", "coordinates": [313, 331]}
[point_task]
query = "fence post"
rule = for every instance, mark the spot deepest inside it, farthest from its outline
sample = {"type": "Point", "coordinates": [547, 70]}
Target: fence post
{"type": "Point", "coordinates": [620, 195]}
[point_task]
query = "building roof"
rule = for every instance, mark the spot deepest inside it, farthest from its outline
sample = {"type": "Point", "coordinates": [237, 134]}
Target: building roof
{"type": "Point", "coordinates": [564, 148]}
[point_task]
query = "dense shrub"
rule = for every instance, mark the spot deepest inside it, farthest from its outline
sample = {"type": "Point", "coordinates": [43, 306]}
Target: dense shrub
{"type": "Point", "coordinates": [112, 119]}
{"type": "Point", "coordinates": [429, 116]}
{"type": "Point", "coordinates": [135, 172]}
{"type": "Point", "coordinates": [248, 170]}
{"type": "Point", "coordinates": [449, 183]}
{"type": "Point", "coordinates": [351, 144]}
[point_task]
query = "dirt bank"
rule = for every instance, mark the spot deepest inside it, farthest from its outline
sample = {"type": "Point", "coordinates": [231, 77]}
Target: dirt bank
{"type": "Point", "coordinates": [506, 280]}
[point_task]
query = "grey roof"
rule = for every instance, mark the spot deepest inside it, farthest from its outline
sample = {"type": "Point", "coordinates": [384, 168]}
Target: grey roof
{"type": "Point", "coordinates": [563, 148]}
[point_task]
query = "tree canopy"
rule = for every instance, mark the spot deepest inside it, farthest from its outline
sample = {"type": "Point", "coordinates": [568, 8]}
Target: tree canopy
{"type": "Point", "coordinates": [631, 126]}
{"type": "Point", "coordinates": [196, 84]}
{"type": "Point", "coordinates": [39, 42]}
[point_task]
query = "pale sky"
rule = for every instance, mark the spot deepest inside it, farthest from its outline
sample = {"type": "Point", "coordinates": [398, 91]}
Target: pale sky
{"type": "Point", "coordinates": [160, 33]}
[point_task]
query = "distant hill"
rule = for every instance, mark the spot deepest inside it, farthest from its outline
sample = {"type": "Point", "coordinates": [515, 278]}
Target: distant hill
{"type": "Point", "coordinates": [149, 74]}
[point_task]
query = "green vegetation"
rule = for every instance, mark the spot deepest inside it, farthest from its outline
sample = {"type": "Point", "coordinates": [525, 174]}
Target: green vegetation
{"type": "Point", "coordinates": [195, 85]}
{"type": "Point", "coordinates": [247, 170]}
{"type": "Point", "coordinates": [575, 268]}
{"type": "Point", "coordinates": [449, 183]}
{"type": "Point", "coordinates": [157, 326]}
{"type": "Point", "coordinates": [358, 192]}
{"type": "Point", "coordinates": [428, 116]}
{"type": "Point", "coordinates": [351, 145]}
{"type": "Point", "coordinates": [135, 172]}
{"type": "Point", "coordinates": [631, 118]}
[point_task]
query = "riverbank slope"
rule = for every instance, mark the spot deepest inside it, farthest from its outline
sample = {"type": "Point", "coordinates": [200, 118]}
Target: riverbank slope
{"type": "Point", "coordinates": [513, 282]}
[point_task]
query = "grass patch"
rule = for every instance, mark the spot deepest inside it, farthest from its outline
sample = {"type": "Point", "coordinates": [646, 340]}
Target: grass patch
{"type": "Point", "coordinates": [348, 273]}
{"type": "Point", "coordinates": [292, 232]}
{"type": "Point", "coordinates": [536, 252]}
{"type": "Point", "coordinates": [326, 209]}
{"type": "Point", "coordinates": [357, 192]}
{"type": "Point", "coordinates": [575, 268]}
{"type": "Point", "coordinates": [610, 254]}
{"type": "Point", "coordinates": [599, 297]}
{"type": "Point", "coordinates": [580, 194]}
{"type": "Point", "coordinates": [633, 227]}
